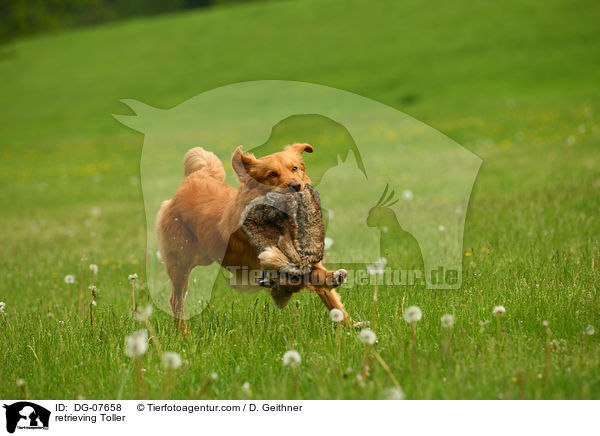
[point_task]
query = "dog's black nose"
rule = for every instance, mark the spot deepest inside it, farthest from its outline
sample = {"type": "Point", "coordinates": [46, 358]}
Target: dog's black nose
{"type": "Point", "coordinates": [295, 185]}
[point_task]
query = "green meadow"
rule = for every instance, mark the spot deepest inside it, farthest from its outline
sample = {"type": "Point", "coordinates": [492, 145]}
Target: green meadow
{"type": "Point", "coordinates": [514, 82]}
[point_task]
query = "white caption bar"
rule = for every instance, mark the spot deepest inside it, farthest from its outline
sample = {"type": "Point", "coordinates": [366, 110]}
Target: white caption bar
{"type": "Point", "coordinates": [297, 417]}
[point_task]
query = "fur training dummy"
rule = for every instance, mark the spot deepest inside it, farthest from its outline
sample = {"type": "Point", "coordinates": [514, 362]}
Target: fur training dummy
{"type": "Point", "coordinates": [286, 230]}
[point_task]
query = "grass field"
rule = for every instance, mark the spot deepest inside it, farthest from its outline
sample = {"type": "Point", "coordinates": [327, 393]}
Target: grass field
{"type": "Point", "coordinates": [516, 83]}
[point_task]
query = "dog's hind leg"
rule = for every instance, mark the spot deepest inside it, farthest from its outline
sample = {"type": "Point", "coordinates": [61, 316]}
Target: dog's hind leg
{"type": "Point", "coordinates": [179, 275]}
{"type": "Point", "coordinates": [179, 250]}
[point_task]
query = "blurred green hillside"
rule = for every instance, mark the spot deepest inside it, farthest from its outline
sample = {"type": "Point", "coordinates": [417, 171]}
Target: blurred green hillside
{"type": "Point", "coordinates": [26, 17]}
{"type": "Point", "coordinates": [445, 64]}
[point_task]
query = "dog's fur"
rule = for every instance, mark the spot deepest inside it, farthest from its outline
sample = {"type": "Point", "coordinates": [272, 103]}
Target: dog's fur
{"type": "Point", "coordinates": [200, 224]}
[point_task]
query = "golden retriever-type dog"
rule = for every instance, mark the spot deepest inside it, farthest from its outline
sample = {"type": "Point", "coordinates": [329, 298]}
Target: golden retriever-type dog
{"type": "Point", "coordinates": [200, 224]}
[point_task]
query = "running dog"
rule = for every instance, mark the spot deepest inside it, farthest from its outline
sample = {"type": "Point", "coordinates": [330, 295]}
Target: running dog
{"type": "Point", "coordinates": [201, 223]}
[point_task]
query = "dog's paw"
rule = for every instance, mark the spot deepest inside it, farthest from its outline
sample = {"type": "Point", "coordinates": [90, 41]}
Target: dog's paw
{"type": "Point", "coordinates": [339, 277]}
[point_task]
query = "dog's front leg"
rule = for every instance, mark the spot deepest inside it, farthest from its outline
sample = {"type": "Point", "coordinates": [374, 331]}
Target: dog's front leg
{"type": "Point", "coordinates": [322, 281]}
{"type": "Point", "coordinates": [321, 276]}
{"type": "Point", "coordinates": [332, 300]}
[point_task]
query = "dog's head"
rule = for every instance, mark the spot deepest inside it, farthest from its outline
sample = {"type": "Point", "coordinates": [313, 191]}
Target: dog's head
{"type": "Point", "coordinates": [283, 171]}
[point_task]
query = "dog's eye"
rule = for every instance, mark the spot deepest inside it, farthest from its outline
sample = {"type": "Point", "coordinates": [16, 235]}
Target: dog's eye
{"type": "Point", "coordinates": [273, 175]}
{"type": "Point", "coordinates": [295, 169]}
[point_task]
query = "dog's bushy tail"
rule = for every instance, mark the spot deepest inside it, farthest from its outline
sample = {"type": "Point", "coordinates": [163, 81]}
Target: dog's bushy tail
{"type": "Point", "coordinates": [197, 159]}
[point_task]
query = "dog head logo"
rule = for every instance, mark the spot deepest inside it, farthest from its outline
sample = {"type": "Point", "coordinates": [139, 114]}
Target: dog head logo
{"type": "Point", "coordinates": [26, 415]}
{"type": "Point", "coordinates": [390, 186]}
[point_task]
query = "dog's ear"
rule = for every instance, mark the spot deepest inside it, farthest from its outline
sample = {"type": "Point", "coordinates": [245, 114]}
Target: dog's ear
{"type": "Point", "coordinates": [300, 148]}
{"type": "Point", "coordinates": [241, 163]}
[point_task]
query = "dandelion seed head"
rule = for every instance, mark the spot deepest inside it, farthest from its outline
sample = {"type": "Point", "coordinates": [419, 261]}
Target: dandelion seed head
{"type": "Point", "coordinates": [545, 323]}
{"type": "Point", "coordinates": [447, 321]}
{"type": "Point", "coordinates": [394, 393]}
{"type": "Point", "coordinates": [336, 315]}
{"type": "Point", "coordinates": [171, 360]}
{"type": "Point", "coordinates": [412, 314]}
{"type": "Point", "coordinates": [21, 382]}
{"type": "Point", "coordinates": [441, 228]}
{"type": "Point", "coordinates": [69, 279]}
{"type": "Point", "coordinates": [143, 313]}
{"type": "Point", "coordinates": [133, 276]}
{"type": "Point", "coordinates": [213, 376]}
{"type": "Point", "coordinates": [407, 194]}
{"type": "Point", "coordinates": [377, 268]}
{"type": "Point", "coordinates": [360, 379]}
{"type": "Point", "coordinates": [589, 330]}
{"type": "Point", "coordinates": [367, 336]}
{"type": "Point", "coordinates": [328, 243]}
{"type": "Point", "coordinates": [136, 344]}
{"type": "Point", "coordinates": [246, 388]}
{"type": "Point", "coordinates": [94, 268]}
{"type": "Point", "coordinates": [499, 310]}
{"type": "Point", "coordinates": [291, 358]}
